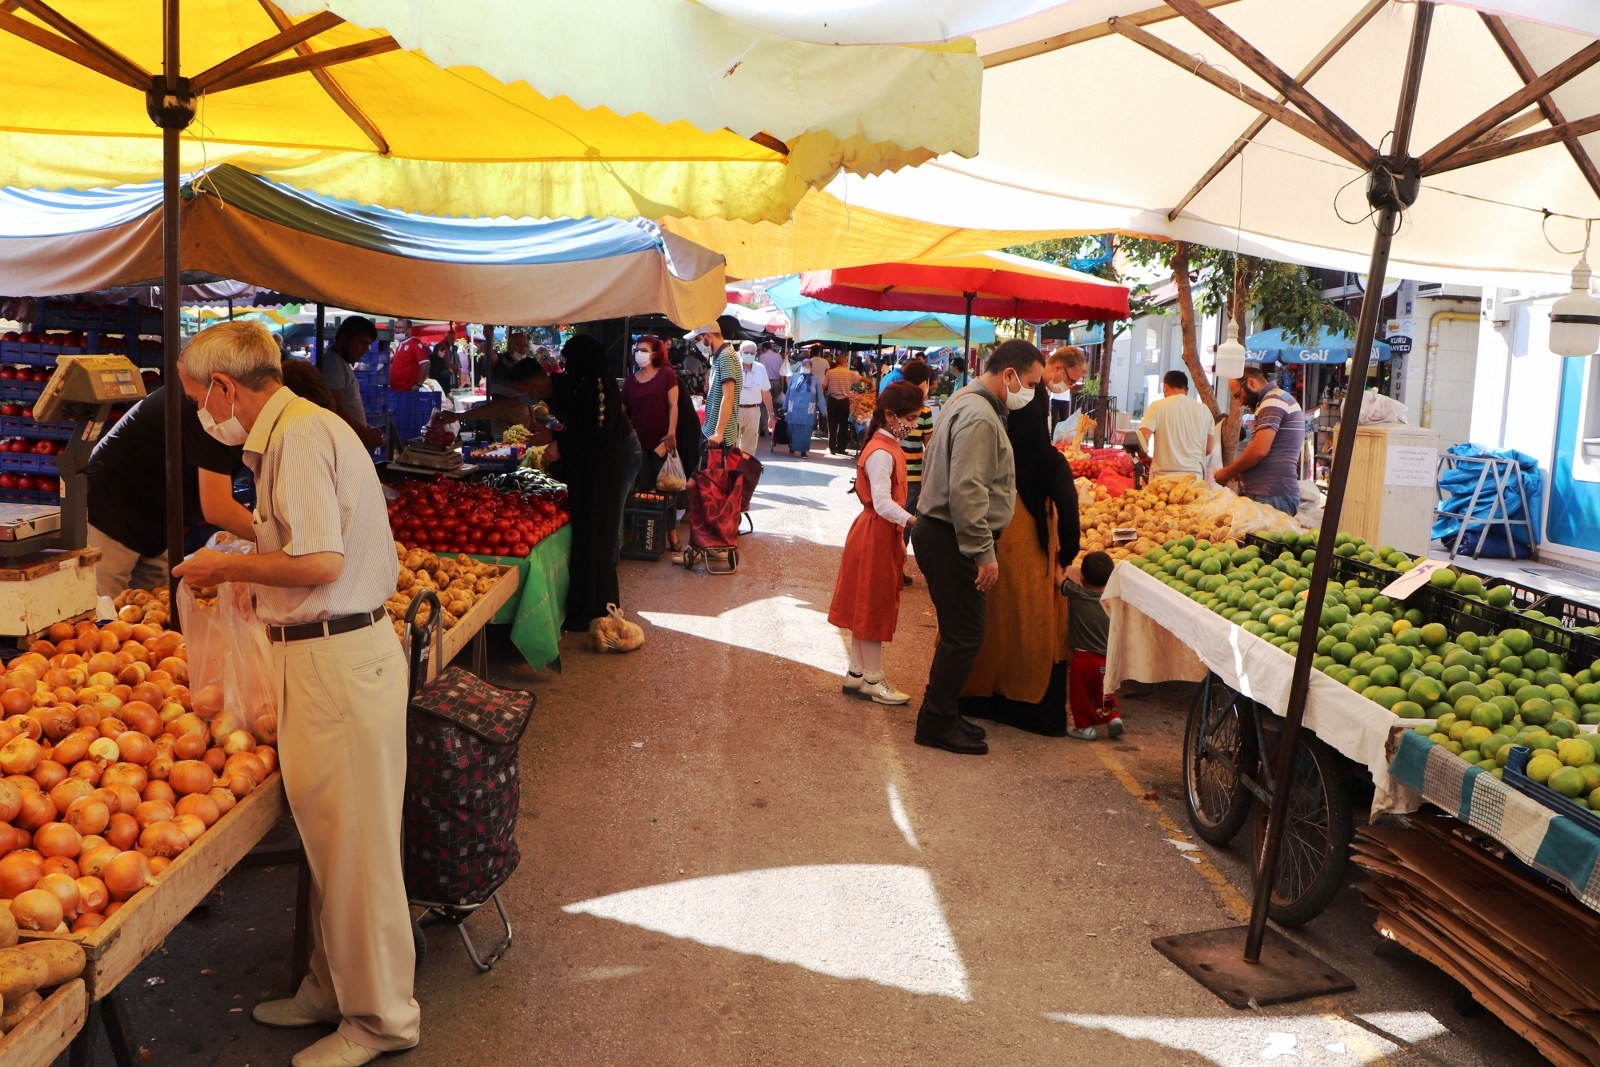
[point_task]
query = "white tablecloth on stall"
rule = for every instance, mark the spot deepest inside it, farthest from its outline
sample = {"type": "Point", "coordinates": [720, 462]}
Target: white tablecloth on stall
{"type": "Point", "coordinates": [1159, 635]}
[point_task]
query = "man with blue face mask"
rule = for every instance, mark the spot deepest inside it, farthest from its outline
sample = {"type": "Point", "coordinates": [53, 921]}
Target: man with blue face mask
{"type": "Point", "coordinates": [968, 492]}
{"type": "Point", "coordinates": [323, 566]}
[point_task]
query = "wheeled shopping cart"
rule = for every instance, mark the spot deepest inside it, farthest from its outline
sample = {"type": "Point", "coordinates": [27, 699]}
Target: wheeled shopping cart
{"type": "Point", "coordinates": [462, 792]}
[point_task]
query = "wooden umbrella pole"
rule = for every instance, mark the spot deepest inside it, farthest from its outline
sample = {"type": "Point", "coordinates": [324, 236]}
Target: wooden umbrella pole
{"type": "Point", "coordinates": [1391, 191]}
{"type": "Point", "coordinates": [171, 107]}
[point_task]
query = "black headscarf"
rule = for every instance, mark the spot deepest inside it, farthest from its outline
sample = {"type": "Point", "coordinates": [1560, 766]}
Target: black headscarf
{"type": "Point", "coordinates": [1043, 475]}
{"type": "Point", "coordinates": [585, 395]}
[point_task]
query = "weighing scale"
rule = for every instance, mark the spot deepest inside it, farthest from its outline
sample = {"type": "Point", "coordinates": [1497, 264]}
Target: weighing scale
{"type": "Point", "coordinates": [83, 390]}
{"type": "Point", "coordinates": [46, 575]}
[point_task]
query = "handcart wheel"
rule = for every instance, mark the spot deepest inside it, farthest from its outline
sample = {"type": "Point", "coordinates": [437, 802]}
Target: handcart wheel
{"type": "Point", "coordinates": [1316, 841]}
{"type": "Point", "coordinates": [1219, 750]}
{"type": "Point", "coordinates": [418, 940]}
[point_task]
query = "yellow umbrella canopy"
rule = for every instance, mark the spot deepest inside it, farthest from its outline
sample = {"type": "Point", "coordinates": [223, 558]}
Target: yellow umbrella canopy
{"type": "Point", "coordinates": [327, 105]}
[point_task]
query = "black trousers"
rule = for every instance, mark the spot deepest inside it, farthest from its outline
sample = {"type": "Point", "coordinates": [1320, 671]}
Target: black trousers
{"type": "Point", "coordinates": [838, 424]}
{"type": "Point", "coordinates": [959, 607]}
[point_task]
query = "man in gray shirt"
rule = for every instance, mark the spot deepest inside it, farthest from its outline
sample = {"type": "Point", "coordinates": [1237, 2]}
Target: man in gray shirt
{"type": "Point", "coordinates": [968, 491]}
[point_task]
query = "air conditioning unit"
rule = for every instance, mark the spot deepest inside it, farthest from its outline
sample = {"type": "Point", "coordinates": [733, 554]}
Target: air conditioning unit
{"type": "Point", "coordinates": [1442, 291]}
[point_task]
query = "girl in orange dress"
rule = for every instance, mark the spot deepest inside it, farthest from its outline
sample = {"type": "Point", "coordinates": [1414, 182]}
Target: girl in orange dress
{"type": "Point", "coordinates": [866, 597]}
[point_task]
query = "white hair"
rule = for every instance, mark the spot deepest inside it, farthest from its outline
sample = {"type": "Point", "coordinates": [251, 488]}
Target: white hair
{"type": "Point", "coordinates": [244, 351]}
{"type": "Point", "coordinates": [746, 346]}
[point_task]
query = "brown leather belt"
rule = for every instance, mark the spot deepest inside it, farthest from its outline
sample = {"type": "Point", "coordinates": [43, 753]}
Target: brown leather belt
{"type": "Point", "coordinates": [339, 624]}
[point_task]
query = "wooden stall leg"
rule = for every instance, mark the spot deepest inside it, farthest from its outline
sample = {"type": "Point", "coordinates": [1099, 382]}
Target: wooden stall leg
{"type": "Point", "coordinates": [81, 1051]}
{"type": "Point", "coordinates": [119, 1031]}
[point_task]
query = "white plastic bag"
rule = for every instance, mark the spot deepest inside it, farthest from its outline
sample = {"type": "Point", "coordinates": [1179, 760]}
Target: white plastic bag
{"type": "Point", "coordinates": [613, 632]}
{"type": "Point", "coordinates": [671, 478]}
{"type": "Point", "coordinates": [228, 650]}
{"type": "Point", "coordinates": [1377, 408]}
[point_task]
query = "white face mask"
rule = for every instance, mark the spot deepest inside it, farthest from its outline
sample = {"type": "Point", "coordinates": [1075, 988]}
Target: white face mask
{"type": "Point", "coordinates": [642, 359]}
{"type": "Point", "coordinates": [229, 431]}
{"type": "Point", "coordinates": [704, 346]}
{"type": "Point", "coordinates": [1059, 388]}
{"type": "Point", "coordinates": [1021, 398]}
{"type": "Point", "coordinates": [746, 362]}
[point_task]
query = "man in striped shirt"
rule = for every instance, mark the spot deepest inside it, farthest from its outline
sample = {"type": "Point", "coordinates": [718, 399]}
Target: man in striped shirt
{"type": "Point", "coordinates": [323, 565]}
{"type": "Point", "coordinates": [917, 373]}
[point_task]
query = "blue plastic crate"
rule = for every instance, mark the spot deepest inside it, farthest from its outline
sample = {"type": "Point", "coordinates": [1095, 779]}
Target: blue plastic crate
{"type": "Point", "coordinates": [20, 427]}
{"type": "Point", "coordinates": [413, 411]}
{"type": "Point", "coordinates": [20, 392]}
{"type": "Point", "coordinates": [27, 463]}
{"type": "Point", "coordinates": [28, 496]}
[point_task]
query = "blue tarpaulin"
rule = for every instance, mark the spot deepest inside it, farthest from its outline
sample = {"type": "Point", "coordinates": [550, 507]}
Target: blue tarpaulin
{"type": "Point", "coordinates": [818, 320]}
{"type": "Point", "coordinates": [1458, 485]}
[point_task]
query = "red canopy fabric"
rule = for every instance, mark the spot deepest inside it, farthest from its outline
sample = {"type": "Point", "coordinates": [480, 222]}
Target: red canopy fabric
{"type": "Point", "coordinates": [1002, 287]}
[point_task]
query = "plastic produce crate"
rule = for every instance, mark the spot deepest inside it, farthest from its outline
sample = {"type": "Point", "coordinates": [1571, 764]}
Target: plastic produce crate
{"type": "Point", "coordinates": [1516, 776]}
{"type": "Point", "coordinates": [11, 426]}
{"type": "Point", "coordinates": [413, 411]}
{"type": "Point", "coordinates": [29, 496]}
{"type": "Point", "coordinates": [20, 392]}
{"type": "Point", "coordinates": [646, 523]}
{"type": "Point", "coordinates": [27, 463]}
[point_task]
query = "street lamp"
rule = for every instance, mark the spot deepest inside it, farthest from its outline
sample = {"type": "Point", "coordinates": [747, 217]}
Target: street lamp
{"type": "Point", "coordinates": [1575, 318]}
{"type": "Point", "coordinates": [1230, 354]}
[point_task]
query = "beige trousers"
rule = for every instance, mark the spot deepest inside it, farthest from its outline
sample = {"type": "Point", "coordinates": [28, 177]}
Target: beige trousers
{"type": "Point", "coordinates": [121, 568]}
{"type": "Point", "coordinates": [342, 748]}
{"type": "Point", "coordinates": [750, 419]}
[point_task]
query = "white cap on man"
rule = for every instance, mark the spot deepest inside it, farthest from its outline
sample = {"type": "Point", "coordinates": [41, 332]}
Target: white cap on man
{"type": "Point", "coordinates": [700, 331]}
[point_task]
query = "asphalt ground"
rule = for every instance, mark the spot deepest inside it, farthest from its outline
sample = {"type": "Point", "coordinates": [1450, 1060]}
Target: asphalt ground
{"type": "Point", "coordinates": [727, 861]}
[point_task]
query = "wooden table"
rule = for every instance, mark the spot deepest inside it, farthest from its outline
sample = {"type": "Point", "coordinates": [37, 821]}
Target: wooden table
{"type": "Point", "coordinates": [48, 1030]}
{"type": "Point", "coordinates": [119, 945]}
{"type": "Point", "coordinates": [469, 629]}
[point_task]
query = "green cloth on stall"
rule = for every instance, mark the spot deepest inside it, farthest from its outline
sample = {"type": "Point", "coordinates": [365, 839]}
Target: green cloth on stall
{"type": "Point", "coordinates": [539, 606]}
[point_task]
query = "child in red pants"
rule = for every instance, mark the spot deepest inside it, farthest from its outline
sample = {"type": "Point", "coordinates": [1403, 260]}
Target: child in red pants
{"type": "Point", "coordinates": [1087, 627]}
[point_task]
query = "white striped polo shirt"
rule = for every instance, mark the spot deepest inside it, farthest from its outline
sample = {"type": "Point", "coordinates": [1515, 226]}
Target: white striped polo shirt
{"type": "Point", "coordinates": [317, 491]}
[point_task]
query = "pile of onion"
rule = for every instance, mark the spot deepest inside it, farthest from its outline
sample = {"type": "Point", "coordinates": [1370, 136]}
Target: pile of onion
{"type": "Point", "coordinates": [109, 770]}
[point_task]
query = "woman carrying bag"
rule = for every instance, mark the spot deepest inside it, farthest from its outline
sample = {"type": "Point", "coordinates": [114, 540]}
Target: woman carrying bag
{"type": "Point", "coordinates": [650, 397]}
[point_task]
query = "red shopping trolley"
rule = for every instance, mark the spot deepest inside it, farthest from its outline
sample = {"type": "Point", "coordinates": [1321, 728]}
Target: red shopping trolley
{"type": "Point", "coordinates": [717, 499]}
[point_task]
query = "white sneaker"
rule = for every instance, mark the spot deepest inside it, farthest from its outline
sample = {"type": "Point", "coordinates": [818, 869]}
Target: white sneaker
{"type": "Point", "coordinates": [851, 684]}
{"type": "Point", "coordinates": [1114, 727]}
{"type": "Point", "coordinates": [1088, 734]}
{"type": "Point", "coordinates": [881, 692]}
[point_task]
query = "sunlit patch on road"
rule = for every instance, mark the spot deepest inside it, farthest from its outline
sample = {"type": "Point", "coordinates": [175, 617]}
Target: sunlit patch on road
{"type": "Point", "coordinates": [1243, 1040]}
{"type": "Point", "coordinates": [778, 626]}
{"type": "Point", "coordinates": [877, 922]}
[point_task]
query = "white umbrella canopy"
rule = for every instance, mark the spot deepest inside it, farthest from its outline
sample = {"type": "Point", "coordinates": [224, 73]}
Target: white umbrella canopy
{"type": "Point", "coordinates": [1080, 122]}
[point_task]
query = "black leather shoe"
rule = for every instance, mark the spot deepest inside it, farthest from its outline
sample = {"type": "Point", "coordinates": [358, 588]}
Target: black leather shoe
{"type": "Point", "coordinates": [939, 732]}
{"type": "Point", "coordinates": [970, 728]}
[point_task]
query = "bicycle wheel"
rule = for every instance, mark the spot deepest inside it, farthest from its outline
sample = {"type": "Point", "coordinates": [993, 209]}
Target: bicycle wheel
{"type": "Point", "coordinates": [1316, 838]}
{"type": "Point", "coordinates": [1219, 749]}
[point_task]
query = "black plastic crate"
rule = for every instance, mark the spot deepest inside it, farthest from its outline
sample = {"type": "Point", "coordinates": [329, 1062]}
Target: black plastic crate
{"type": "Point", "coordinates": [1459, 613]}
{"type": "Point", "coordinates": [1371, 575]}
{"type": "Point", "coordinates": [647, 522]}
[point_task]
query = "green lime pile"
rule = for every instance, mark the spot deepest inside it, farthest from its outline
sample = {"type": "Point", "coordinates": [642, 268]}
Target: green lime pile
{"type": "Point", "coordinates": [1475, 687]}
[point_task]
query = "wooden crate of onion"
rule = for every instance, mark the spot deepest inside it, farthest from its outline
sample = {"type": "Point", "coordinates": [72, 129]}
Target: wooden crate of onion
{"type": "Point", "coordinates": [124, 797]}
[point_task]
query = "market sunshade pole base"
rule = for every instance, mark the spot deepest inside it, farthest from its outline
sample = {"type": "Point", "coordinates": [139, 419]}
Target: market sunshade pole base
{"type": "Point", "coordinates": [1284, 973]}
{"type": "Point", "coordinates": [1392, 187]}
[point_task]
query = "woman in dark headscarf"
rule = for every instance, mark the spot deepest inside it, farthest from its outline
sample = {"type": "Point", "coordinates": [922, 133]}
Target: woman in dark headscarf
{"type": "Point", "coordinates": [1020, 677]}
{"type": "Point", "coordinates": [590, 447]}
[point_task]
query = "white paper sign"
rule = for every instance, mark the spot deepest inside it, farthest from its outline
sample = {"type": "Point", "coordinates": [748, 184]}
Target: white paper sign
{"type": "Point", "coordinates": [1411, 465]}
{"type": "Point", "coordinates": [1413, 579]}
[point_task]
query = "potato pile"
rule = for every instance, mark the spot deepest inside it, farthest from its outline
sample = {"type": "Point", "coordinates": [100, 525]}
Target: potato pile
{"type": "Point", "coordinates": [459, 582]}
{"type": "Point", "coordinates": [1166, 509]}
{"type": "Point", "coordinates": [29, 972]}
{"type": "Point", "coordinates": [151, 606]}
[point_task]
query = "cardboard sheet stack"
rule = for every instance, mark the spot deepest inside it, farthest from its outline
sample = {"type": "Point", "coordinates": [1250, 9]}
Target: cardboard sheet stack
{"type": "Point", "coordinates": [1523, 949]}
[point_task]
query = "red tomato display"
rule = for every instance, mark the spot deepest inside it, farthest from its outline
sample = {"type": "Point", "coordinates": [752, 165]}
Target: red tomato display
{"type": "Point", "coordinates": [452, 516]}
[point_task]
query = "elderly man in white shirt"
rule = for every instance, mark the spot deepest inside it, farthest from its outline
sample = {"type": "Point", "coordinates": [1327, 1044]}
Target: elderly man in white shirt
{"type": "Point", "coordinates": [324, 564]}
{"type": "Point", "coordinates": [755, 398]}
